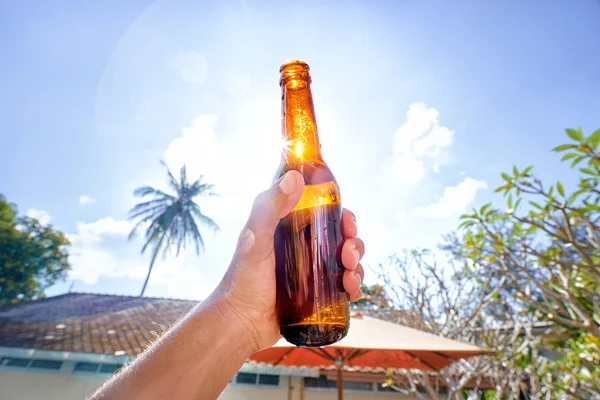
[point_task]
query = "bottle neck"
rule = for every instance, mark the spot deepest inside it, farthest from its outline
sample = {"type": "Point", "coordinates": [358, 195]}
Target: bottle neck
{"type": "Point", "coordinates": [298, 121]}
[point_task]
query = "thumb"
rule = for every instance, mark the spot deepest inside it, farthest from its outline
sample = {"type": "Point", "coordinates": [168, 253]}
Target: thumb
{"type": "Point", "coordinates": [268, 208]}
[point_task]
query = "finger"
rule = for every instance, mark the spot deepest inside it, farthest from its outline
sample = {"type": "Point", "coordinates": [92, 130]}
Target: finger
{"type": "Point", "coordinates": [349, 229]}
{"type": "Point", "coordinates": [268, 208]}
{"type": "Point", "coordinates": [276, 202]}
{"type": "Point", "coordinates": [355, 297]}
{"type": "Point", "coordinates": [352, 252]}
{"type": "Point", "coordinates": [352, 281]}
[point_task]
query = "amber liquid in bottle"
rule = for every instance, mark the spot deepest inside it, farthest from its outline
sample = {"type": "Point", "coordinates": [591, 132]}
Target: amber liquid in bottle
{"type": "Point", "coordinates": [312, 306]}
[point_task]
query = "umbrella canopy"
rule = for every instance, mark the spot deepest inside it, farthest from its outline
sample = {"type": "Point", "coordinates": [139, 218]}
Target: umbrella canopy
{"type": "Point", "coordinates": [374, 343]}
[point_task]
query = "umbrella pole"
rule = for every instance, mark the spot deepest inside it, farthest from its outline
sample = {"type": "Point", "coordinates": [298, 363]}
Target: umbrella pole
{"type": "Point", "coordinates": [339, 365]}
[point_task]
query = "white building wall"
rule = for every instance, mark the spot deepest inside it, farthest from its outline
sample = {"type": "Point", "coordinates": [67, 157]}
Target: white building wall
{"type": "Point", "coordinates": [30, 385]}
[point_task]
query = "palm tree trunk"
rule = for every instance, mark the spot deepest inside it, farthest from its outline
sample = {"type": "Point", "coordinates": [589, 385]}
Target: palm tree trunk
{"type": "Point", "coordinates": [154, 254]}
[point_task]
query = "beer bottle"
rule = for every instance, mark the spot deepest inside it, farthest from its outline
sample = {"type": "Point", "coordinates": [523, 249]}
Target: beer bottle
{"type": "Point", "coordinates": [312, 306]}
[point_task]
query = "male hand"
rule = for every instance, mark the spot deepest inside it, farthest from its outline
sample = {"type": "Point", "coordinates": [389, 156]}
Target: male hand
{"type": "Point", "coordinates": [248, 288]}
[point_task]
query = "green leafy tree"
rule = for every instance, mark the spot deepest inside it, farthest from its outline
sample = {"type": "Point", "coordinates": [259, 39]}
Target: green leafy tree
{"type": "Point", "coordinates": [32, 256]}
{"type": "Point", "coordinates": [546, 243]}
{"type": "Point", "coordinates": [172, 220]}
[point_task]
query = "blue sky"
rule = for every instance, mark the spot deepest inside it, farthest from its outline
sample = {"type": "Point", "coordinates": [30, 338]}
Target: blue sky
{"type": "Point", "coordinates": [420, 106]}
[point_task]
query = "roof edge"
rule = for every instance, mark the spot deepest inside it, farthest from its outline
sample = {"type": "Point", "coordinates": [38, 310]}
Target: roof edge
{"type": "Point", "coordinates": [50, 298]}
{"type": "Point", "coordinates": [248, 366]}
{"type": "Point", "coordinates": [62, 355]}
{"type": "Point", "coordinates": [128, 296]}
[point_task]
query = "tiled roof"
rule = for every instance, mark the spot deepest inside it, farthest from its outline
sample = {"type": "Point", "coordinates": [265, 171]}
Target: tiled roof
{"type": "Point", "coordinates": [90, 323]}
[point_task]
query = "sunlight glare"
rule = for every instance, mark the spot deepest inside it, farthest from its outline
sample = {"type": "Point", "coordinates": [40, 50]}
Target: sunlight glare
{"type": "Point", "coordinates": [299, 148]}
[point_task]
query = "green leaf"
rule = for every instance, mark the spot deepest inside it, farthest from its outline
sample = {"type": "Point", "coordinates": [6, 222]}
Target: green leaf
{"type": "Point", "coordinates": [576, 135]}
{"type": "Point", "coordinates": [536, 205]}
{"type": "Point", "coordinates": [517, 227]}
{"type": "Point", "coordinates": [577, 161]}
{"type": "Point", "coordinates": [526, 170]}
{"type": "Point", "coordinates": [560, 188]}
{"type": "Point", "coordinates": [505, 187]}
{"type": "Point", "coordinates": [563, 147]}
{"type": "Point", "coordinates": [484, 208]}
{"type": "Point", "coordinates": [469, 239]}
{"type": "Point", "coordinates": [515, 171]}
{"type": "Point", "coordinates": [567, 156]}
{"type": "Point", "coordinates": [587, 171]}
{"type": "Point", "coordinates": [594, 139]}
{"type": "Point", "coordinates": [506, 177]}
{"type": "Point", "coordinates": [465, 224]}
{"type": "Point", "coordinates": [573, 197]}
{"type": "Point", "coordinates": [510, 201]}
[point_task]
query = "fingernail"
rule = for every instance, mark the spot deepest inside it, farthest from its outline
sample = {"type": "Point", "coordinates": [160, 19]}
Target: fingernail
{"type": "Point", "coordinates": [357, 254]}
{"type": "Point", "coordinates": [246, 241]}
{"type": "Point", "coordinates": [353, 216]}
{"type": "Point", "coordinates": [288, 184]}
{"type": "Point", "coordinates": [358, 278]}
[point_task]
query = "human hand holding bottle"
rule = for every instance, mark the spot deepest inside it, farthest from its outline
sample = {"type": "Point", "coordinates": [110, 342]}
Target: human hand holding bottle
{"type": "Point", "coordinates": [249, 286]}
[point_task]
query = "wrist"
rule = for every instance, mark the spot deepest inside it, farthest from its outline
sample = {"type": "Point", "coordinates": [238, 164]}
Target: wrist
{"type": "Point", "coordinates": [244, 319]}
{"type": "Point", "coordinates": [241, 332]}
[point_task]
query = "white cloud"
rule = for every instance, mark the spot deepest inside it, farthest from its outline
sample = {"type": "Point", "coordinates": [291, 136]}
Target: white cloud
{"type": "Point", "coordinates": [420, 146]}
{"type": "Point", "coordinates": [92, 257]}
{"type": "Point", "coordinates": [85, 199]}
{"type": "Point", "coordinates": [197, 147]}
{"type": "Point", "coordinates": [238, 165]}
{"type": "Point", "coordinates": [416, 143]}
{"type": "Point", "coordinates": [105, 226]}
{"type": "Point", "coordinates": [185, 282]}
{"type": "Point", "coordinates": [453, 202]}
{"type": "Point", "coordinates": [42, 216]}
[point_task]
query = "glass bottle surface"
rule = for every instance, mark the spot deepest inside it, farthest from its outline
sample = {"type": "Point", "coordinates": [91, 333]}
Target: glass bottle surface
{"type": "Point", "coordinates": [312, 306]}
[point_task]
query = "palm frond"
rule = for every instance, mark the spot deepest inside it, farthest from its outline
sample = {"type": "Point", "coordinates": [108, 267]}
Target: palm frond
{"type": "Point", "coordinates": [172, 181]}
{"type": "Point", "coordinates": [134, 229]}
{"type": "Point", "coordinates": [202, 189]}
{"type": "Point", "coordinates": [207, 221]}
{"type": "Point", "coordinates": [181, 233]}
{"type": "Point", "coordinates": [195, 232]}
{"type": "Point", "coordinates": [144, 191]}
{"type": "Point", "coordinates": [151, 236]}
{"type": "Point", "coordinates": [148, 210]}
{"type": "Point", "coordinates": [183, 184]}
{"type": "Point", "coordinates": [160, 224]}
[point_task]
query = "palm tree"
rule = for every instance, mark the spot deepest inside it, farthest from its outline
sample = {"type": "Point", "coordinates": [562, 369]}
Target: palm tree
{"type": "Point", "coordinates": [173, 219]}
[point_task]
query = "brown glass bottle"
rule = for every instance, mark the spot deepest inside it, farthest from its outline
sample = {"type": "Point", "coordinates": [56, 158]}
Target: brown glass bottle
{"type": "Point", "coordinates": [312, 306]}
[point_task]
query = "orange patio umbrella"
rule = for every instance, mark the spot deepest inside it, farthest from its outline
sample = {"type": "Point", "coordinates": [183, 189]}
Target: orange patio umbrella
{"type": "Point", "coordinates": [374, 343]}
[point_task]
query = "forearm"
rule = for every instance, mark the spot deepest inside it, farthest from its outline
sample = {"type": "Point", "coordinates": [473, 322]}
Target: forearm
{"type": "Point", "coordinates": [195, 359]}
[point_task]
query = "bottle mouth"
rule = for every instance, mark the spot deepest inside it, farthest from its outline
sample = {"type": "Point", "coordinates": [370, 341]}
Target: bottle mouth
{"type": "Point", "coordinates": [294, 63]}
{"type": "Point", "coordinates": [295, 71]}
